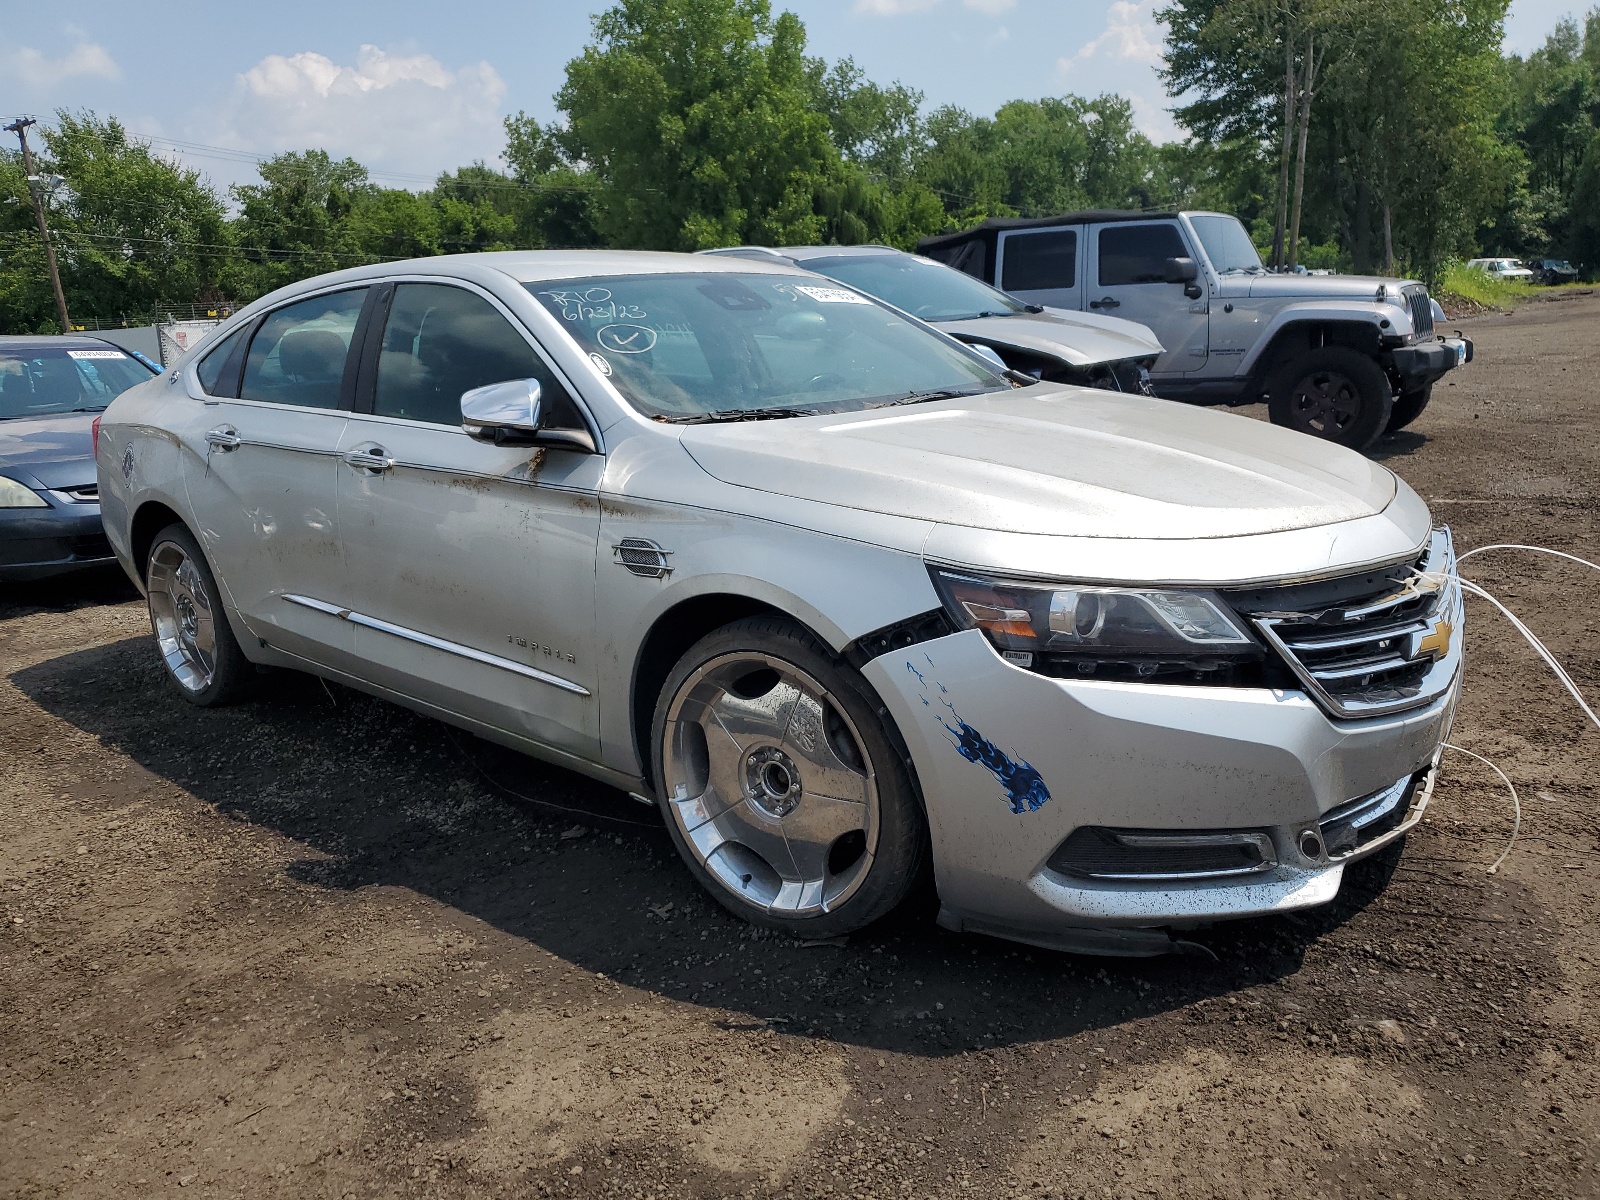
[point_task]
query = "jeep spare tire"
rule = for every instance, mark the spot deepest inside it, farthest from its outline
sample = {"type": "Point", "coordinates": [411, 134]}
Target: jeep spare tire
{"type": "Point", "coordinates": [1334, 393]}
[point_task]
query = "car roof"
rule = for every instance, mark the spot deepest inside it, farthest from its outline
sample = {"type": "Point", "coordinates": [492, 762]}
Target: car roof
{"type": "Point", "coordinates": [804, 254]}
{"type": "Point", "coordinates": [47, 341]}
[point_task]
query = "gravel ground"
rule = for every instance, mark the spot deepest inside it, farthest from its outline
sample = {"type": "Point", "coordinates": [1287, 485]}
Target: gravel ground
{"type": "Point", "coordinates": [317, 946]}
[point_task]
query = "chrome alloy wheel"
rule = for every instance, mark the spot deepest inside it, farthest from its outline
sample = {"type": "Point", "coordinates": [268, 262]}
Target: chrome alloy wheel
{"type": "Point", "coordinates": [181, 612]}
{"type": "Point", "coordinates": [1325, 403]}
{"type": "Point", "coordinates": [768, 782]}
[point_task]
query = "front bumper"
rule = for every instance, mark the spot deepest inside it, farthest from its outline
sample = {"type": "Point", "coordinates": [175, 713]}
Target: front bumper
{"type": "Point", "coordinates": [36, 543]}
{"type": "Point", "coordinates": [1422, 364]}
{"type": "Point", "coordinates": [1011, 763]}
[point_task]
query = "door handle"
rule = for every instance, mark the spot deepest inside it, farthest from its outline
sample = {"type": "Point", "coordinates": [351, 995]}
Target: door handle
{"type": "Point", "coordinates": [1105, 302]}
{"type": "Point", "coordinates": [371, 459]}
{"type": "Point", "coordinates": [224, 438]}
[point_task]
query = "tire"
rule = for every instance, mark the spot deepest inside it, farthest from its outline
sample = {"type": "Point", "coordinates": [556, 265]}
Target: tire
{"type": "Point", "coordinates": [1408, 407]}
{"type": "Point", "coordinates": [200, 657]}
{"type": "Point", "coordinates": [1334, 393]}
{"type": "Point", "coordinates": [782, 787]}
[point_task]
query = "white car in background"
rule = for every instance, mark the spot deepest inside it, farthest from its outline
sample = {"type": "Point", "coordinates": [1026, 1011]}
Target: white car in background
{"type": "Point", "coordinates": [1500, 268]}
{"type": "Point", "coordinates": [834, 592]}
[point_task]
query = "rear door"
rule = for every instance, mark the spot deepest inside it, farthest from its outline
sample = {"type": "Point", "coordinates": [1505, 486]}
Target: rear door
{"type": "Point", "coordinates": [264, 493]}
{"type": "Point", "coordinates": [1041, 266]}
{"type": "Point", "coordinates": [471, 566]}
{"type": "Point", "coordinates": [1129, 269]}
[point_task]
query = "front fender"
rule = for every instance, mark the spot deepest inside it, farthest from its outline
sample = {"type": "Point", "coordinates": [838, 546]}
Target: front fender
{"type": "Point", "coordinates": [1363, 313]}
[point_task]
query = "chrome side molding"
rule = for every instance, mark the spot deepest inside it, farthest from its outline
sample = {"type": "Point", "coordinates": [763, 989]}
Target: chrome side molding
{"type": "Point", "coordinates": [427, 639]}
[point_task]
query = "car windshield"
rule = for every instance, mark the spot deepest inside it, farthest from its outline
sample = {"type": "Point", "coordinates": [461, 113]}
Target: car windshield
{"type": "Point", "coordinates": [715, 346]}
{"type": "Point", "coordinates": [923, 289]}
{"type": "Point", "coordinates": [41, 381]}
{"type": "Point", "coordinates": [1227, 244]}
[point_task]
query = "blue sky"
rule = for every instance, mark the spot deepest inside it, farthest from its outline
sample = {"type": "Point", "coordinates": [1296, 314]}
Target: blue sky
{"type": "Point", "coordinates": [411, 88]}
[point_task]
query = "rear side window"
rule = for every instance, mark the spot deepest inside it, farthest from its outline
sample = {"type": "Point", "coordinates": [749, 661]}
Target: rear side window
{"type": "Point", "coordinates": [1035, 261]}
{"type": "Point", "coordinates": [1138, 253]}
{"type": "Point", "coordinates": [441, 341]}
{"type": "Point", "coordinates": [298, 355]}
{"type": "Point", "coordinates": [219, 370]}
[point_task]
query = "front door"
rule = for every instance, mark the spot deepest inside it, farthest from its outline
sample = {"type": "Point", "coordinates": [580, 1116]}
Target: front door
{"type": "Point", "coordinates": [1040, 266]}
{"type": "Point", "coordinates": [471, 566]}
{"type": "Point", "coordinates": [264, 492]}
{"type": "Point", "coordinates": [1128, 280]}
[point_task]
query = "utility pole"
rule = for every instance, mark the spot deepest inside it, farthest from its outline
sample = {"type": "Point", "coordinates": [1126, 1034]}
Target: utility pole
{"type": "Point", "coordinates": [20, 128]}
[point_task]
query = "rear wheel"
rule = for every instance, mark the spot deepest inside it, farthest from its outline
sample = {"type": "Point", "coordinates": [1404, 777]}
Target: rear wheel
{"type": "Point", "coordinates": [1408, 407]}
{"type": "Point", "coordinates": [780, 784]}
{"type": "Point", "coordinates": [1334, 393]}
{"type": "Point", "coordinates": [200, 656]}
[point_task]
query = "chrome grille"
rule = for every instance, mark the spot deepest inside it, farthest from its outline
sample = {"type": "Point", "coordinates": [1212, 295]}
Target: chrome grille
{"type": "Point", "coordinates": [87, 494]}
{"type": "Point", "coordinates": [1421, 310]}
{"type": "Point", "coordinates": [1358, 655]}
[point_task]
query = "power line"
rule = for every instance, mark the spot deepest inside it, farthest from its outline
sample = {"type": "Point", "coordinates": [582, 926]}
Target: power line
{"type": "Point", "coordinates": [20, 128]}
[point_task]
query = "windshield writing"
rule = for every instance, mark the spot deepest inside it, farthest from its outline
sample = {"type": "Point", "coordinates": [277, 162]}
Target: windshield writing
{"type": "Point", "coordinates": [734, 346]}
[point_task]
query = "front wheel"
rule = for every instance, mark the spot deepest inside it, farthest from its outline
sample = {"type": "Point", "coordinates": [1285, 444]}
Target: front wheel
{"type": "Point", "coordinates": [1334, 393]}
{"type": "Point", "coordinates": [780, 784]}
{"type": "Point", "coordinates": [1408, 407]}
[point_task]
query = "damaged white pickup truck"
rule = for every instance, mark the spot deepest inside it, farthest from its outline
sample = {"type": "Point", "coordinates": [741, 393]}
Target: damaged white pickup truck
{"type": "Point", "coordinates": [834, 592]}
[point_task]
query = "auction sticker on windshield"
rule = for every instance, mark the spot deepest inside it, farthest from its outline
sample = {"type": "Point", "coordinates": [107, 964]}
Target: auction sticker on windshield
{"type": "Point", "coordinates": [96, 354]}
{"type": "Point", "coordinates": [828, 295]}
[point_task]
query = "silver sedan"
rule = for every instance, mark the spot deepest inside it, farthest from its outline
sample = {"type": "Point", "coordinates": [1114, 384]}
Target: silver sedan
{"type": "Point", "coordinates": [830, 589]}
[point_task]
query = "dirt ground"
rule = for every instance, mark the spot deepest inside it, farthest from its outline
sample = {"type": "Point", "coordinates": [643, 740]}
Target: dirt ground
{"type": "Point", "coordinates": [317, 946]}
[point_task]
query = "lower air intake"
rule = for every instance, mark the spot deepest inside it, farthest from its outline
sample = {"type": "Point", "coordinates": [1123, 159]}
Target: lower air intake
{"type": "Point", "coordinates": [1153, 855]}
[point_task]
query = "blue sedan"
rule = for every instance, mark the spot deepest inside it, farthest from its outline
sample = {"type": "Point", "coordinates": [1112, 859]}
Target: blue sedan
{"type": "Point", "coordinates": [51, 392]}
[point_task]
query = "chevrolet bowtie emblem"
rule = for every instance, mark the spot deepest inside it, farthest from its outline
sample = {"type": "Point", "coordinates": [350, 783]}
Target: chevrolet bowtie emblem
{"type": "Point", "coordinates": [1435, 644]}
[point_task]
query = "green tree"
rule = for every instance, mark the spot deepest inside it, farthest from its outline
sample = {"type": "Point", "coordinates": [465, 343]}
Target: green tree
{"type": "Point", "coordinates": [696, 118]}
{"type": "Point", "coordinates": [298, 221]}
{"type": "Point", "coordinates": [556, 204]}
{"type": "Point", "coordinates": [133, 230]}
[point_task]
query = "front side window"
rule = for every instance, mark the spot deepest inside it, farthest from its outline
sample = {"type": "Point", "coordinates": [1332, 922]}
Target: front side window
{"type": "Point", "coordinates": [46, 380]}
{"type": "Point", "coordinates": [1227, 245]}
{"type": "Point", "coordinates": [441, 341]}
{"type": "Point", "coordinates": [1138, 253]}
{"type": "Point", "coordinates": [1036, 261]}
{"type": "Point", "coordinates": [923, 289]}
{"type": "Point", "coordinates": [298, 355]}
{"type": "Point", "coordinates": [713, 346]}
{"type": "Point", "coordinates": [218, 371]}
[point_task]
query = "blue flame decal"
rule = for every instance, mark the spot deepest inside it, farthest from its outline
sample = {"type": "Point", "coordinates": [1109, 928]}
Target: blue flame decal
{"type": "Point", "coordinates": [1025, 787]}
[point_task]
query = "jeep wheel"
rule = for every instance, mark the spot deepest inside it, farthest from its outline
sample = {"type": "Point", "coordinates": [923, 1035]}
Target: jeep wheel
{"type": "Point", "coordinates": [1334, 393]}
{"type": "Point", "coordinates": [1408, 407]}
{"type": "Point", "coordinates": [780, 785]}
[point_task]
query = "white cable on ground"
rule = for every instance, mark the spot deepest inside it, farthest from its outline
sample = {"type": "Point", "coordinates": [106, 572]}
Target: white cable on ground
{"type": "Point", "coordinates": [1516, 805]}
{"type": "Point", "coordinates": [1536, 549]}
{"type": "Point", "coordinates": [1532, 640]}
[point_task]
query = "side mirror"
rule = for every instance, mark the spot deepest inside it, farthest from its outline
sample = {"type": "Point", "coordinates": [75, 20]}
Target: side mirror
{"type": "Point", "coordinates": [512, 414]}
{"type": "Point", "coordinates": [503, 413]}
{"type": "Point", "coordinates": [1182, 270]}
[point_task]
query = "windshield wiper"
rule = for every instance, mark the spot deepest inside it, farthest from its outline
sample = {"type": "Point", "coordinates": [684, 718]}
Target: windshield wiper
{"type": "Point", "coordinates": [923, 397]}
{"type": "Point", "coordinates": [735, 414]}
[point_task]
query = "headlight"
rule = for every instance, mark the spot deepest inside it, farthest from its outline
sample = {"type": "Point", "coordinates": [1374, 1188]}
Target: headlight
{"type": "Point", "coordinates": [16, 495]}
{"type": "Point", "coordinates": [1105, 633]}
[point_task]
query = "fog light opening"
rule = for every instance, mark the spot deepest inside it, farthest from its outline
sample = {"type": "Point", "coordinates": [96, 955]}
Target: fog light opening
{"type": "Point", "coordinates": [1310, 844]}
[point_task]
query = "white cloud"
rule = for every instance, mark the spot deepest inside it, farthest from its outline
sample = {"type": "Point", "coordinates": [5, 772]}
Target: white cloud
{"type": "Point", "coordinates": [992, 7]}
{"type": "Point", "coordinates": [1131, 34]}
{"type": "Point", "coordinates": [32, 68]}
{"type": "Point", "coordinates": [892, 8]}
{"type": "Point", "coordinates": [1001, 34]}
{"type": "Point", "coordinates": [397, 113]}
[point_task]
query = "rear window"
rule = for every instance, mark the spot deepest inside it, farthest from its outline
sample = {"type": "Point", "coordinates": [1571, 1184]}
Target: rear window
{"type": "Point", "coordinates": [39, 381]}
{"type": "Point", "coordinates": [1039, 261]}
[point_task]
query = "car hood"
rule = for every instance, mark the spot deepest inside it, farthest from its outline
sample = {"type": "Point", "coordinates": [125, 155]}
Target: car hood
{"type": "Point", "coordinates": [1322, 287]}
{"type": "Point", "coordinates": [1054, 460]}
{"type": "Point", "coordinates": [57, 451]}
{"type": "Point", "coordinates": [1077, 339]}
